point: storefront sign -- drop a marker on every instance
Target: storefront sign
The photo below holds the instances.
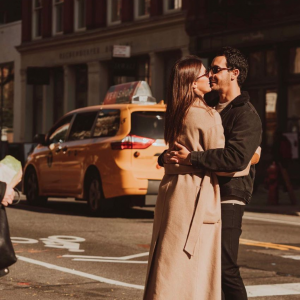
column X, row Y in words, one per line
column 79, row 53
column 254, row 36
column 121, row 51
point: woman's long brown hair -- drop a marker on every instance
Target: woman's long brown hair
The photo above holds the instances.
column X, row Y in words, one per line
column 180, row 95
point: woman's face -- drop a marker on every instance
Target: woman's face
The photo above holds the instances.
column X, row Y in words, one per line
column 201, row 85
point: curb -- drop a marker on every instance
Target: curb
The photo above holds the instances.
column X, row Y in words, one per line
column 274, row 209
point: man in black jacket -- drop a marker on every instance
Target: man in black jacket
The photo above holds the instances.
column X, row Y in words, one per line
column 242, row 130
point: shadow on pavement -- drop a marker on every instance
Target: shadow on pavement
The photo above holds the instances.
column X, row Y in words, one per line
column 259, row 202
column 79, row 208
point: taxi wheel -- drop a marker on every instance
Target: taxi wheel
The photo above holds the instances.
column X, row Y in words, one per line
column 32, row 189
column 96, row 200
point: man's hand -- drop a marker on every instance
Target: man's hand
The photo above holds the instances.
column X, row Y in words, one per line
column 8, row 196
column 181, row 155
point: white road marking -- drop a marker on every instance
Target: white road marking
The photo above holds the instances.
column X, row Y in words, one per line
column 64, row 242
column 108, row 257
column 273, row 290
column 79, row 273
column 20, row 240
column 112, row 260
column 252, row 290
column 296, row 257
column 271, row 220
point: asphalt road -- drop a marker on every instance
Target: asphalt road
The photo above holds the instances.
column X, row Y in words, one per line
column 64, row 253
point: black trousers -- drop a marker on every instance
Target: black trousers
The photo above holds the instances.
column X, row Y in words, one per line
column 232, row 284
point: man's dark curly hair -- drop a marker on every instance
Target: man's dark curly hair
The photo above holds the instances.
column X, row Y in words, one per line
column 236, row 60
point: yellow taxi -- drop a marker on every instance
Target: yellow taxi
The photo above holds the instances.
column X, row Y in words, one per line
column 101, row 152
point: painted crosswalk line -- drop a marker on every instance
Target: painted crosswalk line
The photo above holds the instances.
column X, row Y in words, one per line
column 295, row 257
column 79, row 273
column 252, row 290
column 120, row 259
column 273, row 290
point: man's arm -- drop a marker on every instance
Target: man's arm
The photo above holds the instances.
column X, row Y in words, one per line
column 242, row 142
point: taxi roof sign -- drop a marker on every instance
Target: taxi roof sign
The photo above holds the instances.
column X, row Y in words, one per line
column 136, row 92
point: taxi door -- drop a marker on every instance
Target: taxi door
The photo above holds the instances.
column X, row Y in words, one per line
column 75, row 154
column 50, row 160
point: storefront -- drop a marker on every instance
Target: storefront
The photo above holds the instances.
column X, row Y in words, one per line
column 10, row 80
column 273, row 52
column 79, row 67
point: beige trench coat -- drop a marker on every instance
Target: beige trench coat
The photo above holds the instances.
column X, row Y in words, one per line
column 185, row 253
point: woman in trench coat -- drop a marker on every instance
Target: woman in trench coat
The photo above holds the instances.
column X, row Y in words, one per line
column 185, row 253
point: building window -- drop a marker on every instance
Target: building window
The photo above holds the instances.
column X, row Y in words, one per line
column 141, row 9
column 80, row 15
column 295, row 60
column 7, row 103
column 271, row 64
column 37, row 19
column 256, row 65
column 294, row 108
column 172, row 5
column 114, row 12
column 58, row 6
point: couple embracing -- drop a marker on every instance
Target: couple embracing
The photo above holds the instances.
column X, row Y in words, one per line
column 209, row 174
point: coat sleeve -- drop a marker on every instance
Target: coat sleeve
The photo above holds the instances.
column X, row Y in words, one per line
column 240, row 146
column 160, row 159
column 2, row 190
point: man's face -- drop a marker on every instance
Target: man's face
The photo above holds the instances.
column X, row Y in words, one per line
column 220, row 81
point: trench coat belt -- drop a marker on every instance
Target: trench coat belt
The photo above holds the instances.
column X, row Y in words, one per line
column 209, row 191
column 176, row 169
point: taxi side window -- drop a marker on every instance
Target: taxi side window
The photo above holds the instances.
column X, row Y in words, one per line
column 82, row 126
column 59, row 133
column 107, row 123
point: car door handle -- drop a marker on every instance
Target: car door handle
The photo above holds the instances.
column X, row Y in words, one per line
column 64, row 149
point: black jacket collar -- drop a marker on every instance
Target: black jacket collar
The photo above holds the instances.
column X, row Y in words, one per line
column 241, row 99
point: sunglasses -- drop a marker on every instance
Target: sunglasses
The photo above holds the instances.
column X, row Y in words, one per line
column 217, row 69
column 205, row 74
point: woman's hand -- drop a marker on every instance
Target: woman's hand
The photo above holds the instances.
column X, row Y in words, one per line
column 8, row 196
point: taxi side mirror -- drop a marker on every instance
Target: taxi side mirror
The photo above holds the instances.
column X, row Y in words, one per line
column 40, row 138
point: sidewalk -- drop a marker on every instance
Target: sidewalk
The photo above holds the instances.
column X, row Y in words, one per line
column 259, row 202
